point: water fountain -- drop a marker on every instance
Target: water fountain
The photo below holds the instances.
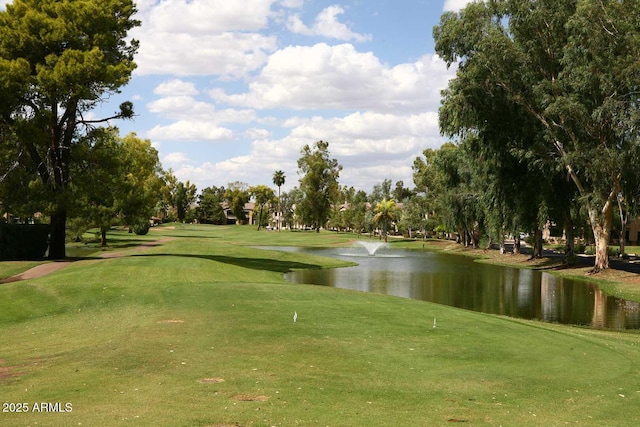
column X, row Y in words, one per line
column 371, row 247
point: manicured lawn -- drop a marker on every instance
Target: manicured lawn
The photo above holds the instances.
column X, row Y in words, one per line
column 199, row 331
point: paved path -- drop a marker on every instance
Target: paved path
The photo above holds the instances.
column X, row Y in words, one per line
column 37, row 271
column 50, row 267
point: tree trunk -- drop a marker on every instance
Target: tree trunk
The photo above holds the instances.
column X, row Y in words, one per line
column 516, row 244
column 57, row 238
column 569, row 245
column 103, row 236
column 623, row 226
column 260, row 218
column 537, row 244
column 601, row 235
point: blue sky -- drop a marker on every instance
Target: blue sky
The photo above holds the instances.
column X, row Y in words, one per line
column 232, row 90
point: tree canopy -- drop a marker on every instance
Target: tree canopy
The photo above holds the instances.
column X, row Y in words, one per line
column 319, row 183
column 58, row 61
column 559, row 80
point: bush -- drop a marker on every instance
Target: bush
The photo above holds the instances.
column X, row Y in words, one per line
column 141, row 228
column 590, row 250
column 579, row 248
column 23, row 241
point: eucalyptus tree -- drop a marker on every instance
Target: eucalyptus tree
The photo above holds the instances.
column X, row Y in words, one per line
column 572, row 67
column 318, row 183
column 58, row 61
column 460, row 206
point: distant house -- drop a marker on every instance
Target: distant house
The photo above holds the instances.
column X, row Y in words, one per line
column 632, row 234
column 232, row 219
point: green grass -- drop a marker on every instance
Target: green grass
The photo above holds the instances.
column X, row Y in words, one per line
column 128, row 340
column 12, row 268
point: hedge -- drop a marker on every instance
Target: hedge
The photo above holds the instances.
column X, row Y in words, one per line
column 23, row 241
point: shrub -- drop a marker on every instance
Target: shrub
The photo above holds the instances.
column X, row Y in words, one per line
column 141, row 228
column 579, row 248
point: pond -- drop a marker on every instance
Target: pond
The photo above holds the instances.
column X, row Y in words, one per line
column 458, row 281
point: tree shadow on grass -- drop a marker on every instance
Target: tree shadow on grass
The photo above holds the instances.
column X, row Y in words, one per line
column 254, row 263
column 169, row 233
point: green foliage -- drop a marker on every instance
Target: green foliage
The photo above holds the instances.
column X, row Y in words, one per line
column 141, row 228
column 58, row 61
column 386, row 212
column 262, row 195
column 554, row 83
column 209, row 210
column 122, row 180
column 237, row 195
column 23, row 241
column 319, row 183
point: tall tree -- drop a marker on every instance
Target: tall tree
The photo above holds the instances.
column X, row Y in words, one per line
column 118, row 183
column 59, row 60
column 237, row 195
column 262, row 195
column 572, row 66
column 278, row 180
column 289, row 201
column 319, row 183
column 209, row 210
column 184, row 196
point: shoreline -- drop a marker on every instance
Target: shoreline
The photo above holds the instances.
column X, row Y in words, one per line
column 621, row 279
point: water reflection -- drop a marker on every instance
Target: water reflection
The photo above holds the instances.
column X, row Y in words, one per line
column 460, row 282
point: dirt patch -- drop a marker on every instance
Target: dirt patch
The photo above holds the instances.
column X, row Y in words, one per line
column 171, row 227
column 170, row 321
column 211, row 380
column 250, row 398
column 9, row 371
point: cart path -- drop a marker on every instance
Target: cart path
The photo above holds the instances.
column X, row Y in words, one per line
column 50, row 267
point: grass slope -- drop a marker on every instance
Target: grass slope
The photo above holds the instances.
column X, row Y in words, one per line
column 198, row 331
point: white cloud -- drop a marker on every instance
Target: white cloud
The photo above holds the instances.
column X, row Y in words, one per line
column 292, row 4
column 370, row 147
column 185, row 54
column 339, row 77
column 206, row 16
column 175, row 159
column 190, row 131
column 456, row 5
column 203, row 37
column 255, row 133
column 187, row 108
column 175, row 87
column 326, row 25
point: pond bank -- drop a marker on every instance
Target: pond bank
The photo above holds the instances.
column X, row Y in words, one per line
column 622, row 280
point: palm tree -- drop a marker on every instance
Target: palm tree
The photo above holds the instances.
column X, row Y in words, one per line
column 278, row 179
column 385, row 214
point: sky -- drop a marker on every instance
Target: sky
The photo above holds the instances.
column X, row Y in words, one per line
column 232, row 90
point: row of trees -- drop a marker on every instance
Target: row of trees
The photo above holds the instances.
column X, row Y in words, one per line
column 544, row 108
column 546, row 96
